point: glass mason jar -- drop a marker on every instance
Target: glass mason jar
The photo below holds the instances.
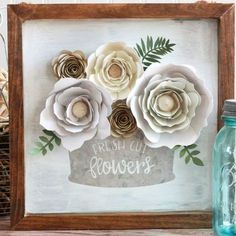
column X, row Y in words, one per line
column 224, row 174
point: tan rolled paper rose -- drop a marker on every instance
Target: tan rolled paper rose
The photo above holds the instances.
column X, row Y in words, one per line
column 4, row 113
column 171, row 105
column 116, row 67
column 70, row 65
column 123, row 123
column 77, row 111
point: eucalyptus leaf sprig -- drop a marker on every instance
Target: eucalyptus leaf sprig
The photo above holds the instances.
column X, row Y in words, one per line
column 189, row 153
column 46, row 143
column 151, row 51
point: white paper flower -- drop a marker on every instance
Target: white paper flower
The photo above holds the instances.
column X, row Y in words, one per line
column 170, row 104
column 115, row 67
column 77, row 111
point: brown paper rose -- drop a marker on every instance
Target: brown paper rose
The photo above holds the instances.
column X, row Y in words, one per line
column 69, row 65
column 123, row 123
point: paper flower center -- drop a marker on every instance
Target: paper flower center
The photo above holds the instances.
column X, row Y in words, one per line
column 166, row 103
column 80, row 109
column 115, row 71
column 74, row 69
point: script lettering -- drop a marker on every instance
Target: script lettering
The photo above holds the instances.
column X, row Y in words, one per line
column 100, row 167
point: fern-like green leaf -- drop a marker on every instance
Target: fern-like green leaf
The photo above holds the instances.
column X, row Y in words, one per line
column 155, row 56
column 147, row 64
column 149, row 43
column 151, row 50
column 139, row 49
column 152, row 59
column 57, row 141
column 143, row 46
column 46, row 143
column 197, row 161
column 189, row 153
column 187, row 159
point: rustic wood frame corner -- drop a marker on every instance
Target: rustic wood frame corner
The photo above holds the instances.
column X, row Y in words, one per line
column 17, row 14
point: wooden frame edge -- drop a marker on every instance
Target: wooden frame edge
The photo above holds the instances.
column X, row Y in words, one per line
column 226, row 64
column 16, row 119
column 115, row 221
column 27, row 11
column 17, row 14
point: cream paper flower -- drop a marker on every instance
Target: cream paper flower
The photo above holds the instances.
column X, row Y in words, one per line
column 69, row 64
column 170, row 104
column 116, row 67
column 77, row 111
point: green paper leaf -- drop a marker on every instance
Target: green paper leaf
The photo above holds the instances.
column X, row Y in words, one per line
column 44, row 151
column 152, row 51
column 143, row 46
column 150, row 59
column 35, row 151
column 44, row 139
column 157, row 42
column 187, row 159
column 139, row 50
column 154, row 56
column 195, row 152
column 39, row 144
column 149, row 42
column 189, row 153
column 48, row 132
column 182, row 152
column 197, row 161
column 50, row 146
column 192, row 146
column 46, row 143
column 57, row 141
column 176, row 147
column 163, row 42
column 147, row 63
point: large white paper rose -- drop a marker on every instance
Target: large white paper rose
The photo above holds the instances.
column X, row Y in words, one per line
column 77, row 111
column 170, row 104
column 115, row 67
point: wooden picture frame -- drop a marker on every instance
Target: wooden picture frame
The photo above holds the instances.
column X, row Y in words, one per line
column 17, row 14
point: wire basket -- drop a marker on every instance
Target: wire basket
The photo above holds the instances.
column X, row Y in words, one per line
column 4, row 138
column 4, row 174
column 4, row 146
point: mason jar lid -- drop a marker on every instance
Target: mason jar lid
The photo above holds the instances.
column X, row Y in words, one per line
column 229, row 108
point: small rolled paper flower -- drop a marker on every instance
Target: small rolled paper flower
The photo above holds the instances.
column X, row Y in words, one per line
column 69, row 65
column 123, row 123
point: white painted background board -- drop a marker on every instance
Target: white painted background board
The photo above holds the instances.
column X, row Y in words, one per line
column 47, row 185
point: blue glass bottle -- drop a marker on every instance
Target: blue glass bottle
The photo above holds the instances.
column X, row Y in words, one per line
column 224, row 174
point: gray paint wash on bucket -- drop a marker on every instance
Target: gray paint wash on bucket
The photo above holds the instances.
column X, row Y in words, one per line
column 117, row 162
